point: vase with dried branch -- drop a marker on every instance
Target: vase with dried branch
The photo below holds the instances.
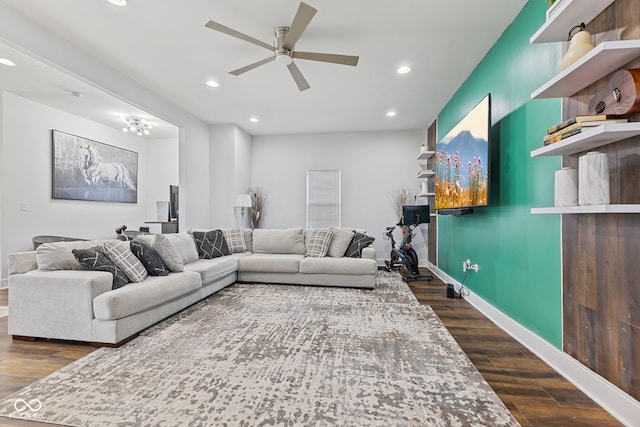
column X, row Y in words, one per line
column 258, row 200
column 401, row 197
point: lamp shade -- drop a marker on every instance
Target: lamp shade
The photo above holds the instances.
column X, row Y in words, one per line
column 243, row 201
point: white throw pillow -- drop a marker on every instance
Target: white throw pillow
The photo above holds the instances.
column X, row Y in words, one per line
column 185, row 245
column 340, row 242
column 278, row 241
column 168, row 253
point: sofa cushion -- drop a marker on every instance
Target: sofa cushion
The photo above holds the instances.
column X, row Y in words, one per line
column 185, row 245
column 270, row 263
column 58, row 255
column 148, row 257
column 359, row 242
column 120, row 253
column 94, row 259
column 213, row 269
column 235, row 239
column 319, row 243
column 211, row 244
column 340, row 241
column 344, row 265
column 278, row 241
column 168, row 253
column 138, row 297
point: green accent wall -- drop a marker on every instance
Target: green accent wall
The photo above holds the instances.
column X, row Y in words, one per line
column 518, row 253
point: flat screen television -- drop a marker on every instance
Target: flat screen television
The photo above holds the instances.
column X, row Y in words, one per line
column 415, row 214
column 462, row 163
column 174, row 202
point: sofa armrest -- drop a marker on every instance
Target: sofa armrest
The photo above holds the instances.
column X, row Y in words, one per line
column 369, row 252
column 55, row 304
column 21, row 262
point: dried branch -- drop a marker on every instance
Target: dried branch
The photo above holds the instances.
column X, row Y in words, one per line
column 258, row 201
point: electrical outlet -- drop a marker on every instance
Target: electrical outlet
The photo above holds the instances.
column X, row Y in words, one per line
column 24, row 206
column 474, row 267
column 466, row 265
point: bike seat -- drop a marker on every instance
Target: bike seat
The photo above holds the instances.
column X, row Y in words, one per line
column 390, row 228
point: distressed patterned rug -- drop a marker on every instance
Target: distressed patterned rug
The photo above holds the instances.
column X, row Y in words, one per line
column 276, row 355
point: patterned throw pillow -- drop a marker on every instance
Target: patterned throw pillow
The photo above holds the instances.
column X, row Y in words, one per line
column 319, row 243
column 168, row 253
column 120, row 253
column 235, row 239
column 149, row 258
column 359, row 242
column 95, row 259
column 211, row 244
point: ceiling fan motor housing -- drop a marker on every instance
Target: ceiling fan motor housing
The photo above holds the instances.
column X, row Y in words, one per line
column 283, row 56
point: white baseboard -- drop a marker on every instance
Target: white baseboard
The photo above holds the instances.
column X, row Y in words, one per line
column 618, row 403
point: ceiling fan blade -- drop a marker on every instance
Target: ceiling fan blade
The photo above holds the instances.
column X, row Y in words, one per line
column 233, row 33
column 328, row 57
column 252, row 66
column 298, row 77
column 303, row 16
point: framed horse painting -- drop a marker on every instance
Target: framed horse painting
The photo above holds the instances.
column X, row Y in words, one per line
column 89, row 170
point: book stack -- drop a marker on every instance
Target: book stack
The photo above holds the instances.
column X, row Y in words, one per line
column 576, row 125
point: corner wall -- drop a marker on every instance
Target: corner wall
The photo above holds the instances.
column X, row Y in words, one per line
column 518, row 253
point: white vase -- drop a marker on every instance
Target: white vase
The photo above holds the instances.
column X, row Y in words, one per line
column 566, row 187
column 593, row 179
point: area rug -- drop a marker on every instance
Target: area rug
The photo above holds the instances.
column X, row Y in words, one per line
column 282, row 355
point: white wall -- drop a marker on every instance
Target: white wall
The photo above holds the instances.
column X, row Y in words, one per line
column 162, row 171
column 230, row 164
column 373, row 164
column 26, row 177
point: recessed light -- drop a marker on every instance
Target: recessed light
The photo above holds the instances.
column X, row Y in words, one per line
column 7, row 62
column 391, row 113
column 213, row 83
column 403, row 70
column 254, row 120
column 118, row 2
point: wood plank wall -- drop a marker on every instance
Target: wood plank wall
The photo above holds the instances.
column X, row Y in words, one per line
column 432, row 239
column 601, row 252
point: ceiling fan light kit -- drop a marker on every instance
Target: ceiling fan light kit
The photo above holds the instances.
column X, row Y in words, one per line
column 283, row 47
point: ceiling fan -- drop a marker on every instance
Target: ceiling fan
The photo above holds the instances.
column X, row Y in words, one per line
column 283, row 47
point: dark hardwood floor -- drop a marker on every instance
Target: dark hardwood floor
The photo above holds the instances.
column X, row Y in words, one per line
column 534, row 393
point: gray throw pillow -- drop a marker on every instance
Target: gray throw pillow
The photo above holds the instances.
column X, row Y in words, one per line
column 149, row 258
column 168, row 253
column 120, row 253
column 319, row 243
column 95, row 259
column 359, row 242
column 340, row 242
column 235, row 239
column 211, row 244
column 184, row 244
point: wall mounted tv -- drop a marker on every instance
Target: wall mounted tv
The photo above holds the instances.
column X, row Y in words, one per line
column 462, row 163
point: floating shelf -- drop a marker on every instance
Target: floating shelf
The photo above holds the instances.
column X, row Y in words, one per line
column 425, row 174
column 425, row 194
column 597, row 63
column 568, row 14
column 424, row 155
column 589, row 139
column 617, row 209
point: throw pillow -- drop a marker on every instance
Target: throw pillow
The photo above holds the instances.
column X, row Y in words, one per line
column 149, row 258
column 340, row 242
column 95, row 259
column 359, row 242
column 120, row 253
column 168, row 253
column 319, row 243
column 184, row 244
column 211, row 244
column 235, row 239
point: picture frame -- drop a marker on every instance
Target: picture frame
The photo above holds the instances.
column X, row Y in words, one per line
column 88, row 170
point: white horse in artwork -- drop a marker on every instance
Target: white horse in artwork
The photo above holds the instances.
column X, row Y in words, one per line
column 95, row 170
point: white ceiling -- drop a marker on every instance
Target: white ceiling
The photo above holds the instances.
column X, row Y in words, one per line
column 164, row 45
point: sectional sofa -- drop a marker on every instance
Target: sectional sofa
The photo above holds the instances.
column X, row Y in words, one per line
column 51, row 296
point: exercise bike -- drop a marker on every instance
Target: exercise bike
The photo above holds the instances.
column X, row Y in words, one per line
column 404, row 254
